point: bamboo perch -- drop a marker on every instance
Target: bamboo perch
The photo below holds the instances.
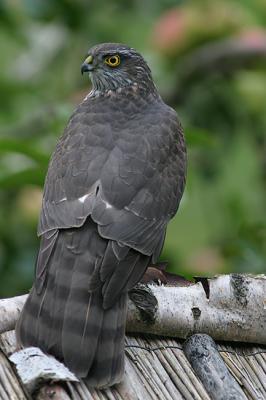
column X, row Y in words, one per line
column 226, row 307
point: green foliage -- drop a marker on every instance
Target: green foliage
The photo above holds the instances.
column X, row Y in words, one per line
column 221, row 224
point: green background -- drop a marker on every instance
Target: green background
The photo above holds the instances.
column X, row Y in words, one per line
column 208, row 59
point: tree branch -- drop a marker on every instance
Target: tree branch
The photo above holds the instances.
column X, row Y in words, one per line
column 226, row 307
column 10, row 310
column 201, row 351
column 224, row 56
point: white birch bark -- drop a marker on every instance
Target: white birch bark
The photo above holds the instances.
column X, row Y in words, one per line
column 35, row 367
column 10, row 310
column 234, row 311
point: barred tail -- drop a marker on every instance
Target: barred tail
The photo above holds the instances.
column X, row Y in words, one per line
column 77, row 317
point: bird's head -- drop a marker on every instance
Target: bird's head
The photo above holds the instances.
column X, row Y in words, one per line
column 112, row 66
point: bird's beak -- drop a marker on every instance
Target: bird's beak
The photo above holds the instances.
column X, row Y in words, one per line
column 87, row 66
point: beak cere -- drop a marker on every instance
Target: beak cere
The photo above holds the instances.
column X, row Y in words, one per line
column 87, row 65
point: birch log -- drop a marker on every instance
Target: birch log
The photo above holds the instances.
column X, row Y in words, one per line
column 34, row 367
column 226, row 307
column 10, row 310
column 202, row 353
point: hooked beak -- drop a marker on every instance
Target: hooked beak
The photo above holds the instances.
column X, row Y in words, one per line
column 87, row 65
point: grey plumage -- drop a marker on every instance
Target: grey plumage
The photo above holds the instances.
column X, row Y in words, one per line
column 114, row 181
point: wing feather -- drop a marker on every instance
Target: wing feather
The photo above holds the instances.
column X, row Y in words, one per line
column 125, row 171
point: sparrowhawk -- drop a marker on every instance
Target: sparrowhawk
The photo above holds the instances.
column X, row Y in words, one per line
column 115, row 180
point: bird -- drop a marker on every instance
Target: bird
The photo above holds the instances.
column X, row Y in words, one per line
column 114, row 182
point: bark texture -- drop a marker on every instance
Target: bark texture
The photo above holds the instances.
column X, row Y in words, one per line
column 202, row 353
column 226, row 307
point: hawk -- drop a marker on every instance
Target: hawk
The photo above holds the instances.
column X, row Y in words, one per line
column 114, row 181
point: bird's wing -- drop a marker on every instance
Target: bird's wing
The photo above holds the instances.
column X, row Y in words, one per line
column 125, row 168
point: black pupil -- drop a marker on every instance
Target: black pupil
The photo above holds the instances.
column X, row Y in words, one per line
column 113, row 60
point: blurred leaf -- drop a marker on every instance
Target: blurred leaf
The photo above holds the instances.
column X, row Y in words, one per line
column 201, row 54
column 17, row 146
column 200, row 137
column 33, row 176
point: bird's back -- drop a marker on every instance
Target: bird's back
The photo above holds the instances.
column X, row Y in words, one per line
column 114, row 181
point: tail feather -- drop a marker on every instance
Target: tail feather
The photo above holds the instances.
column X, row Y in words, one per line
column 118, row 364
column 80, row 335
column 28, row 317
column 117, row 282
column 108, row 366
column 61, row 292
column 49, row 317
column 79, row 317
column 127, row 273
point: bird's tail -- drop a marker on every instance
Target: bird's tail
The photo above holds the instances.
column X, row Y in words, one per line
column 71, row 322
column 108, row 364
column 94, row 351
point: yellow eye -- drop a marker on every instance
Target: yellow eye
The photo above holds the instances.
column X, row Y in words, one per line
column 112, row 61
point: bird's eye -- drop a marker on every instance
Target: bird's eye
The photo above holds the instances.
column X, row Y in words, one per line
column 112, row 61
